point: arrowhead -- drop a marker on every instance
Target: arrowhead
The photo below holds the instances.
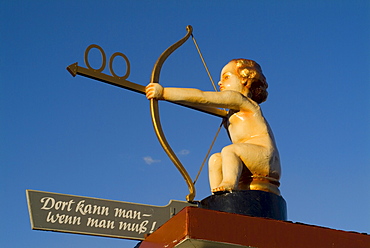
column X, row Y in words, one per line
column 73, row 69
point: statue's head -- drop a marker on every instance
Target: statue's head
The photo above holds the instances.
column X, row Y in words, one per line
column 251, row 74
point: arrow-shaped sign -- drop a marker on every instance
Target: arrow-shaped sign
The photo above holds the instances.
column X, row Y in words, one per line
column 99, row 217
column 122, row 82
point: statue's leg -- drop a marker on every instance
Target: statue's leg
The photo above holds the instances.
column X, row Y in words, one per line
column 231, row 169
column 215, row 170
column 234, row 157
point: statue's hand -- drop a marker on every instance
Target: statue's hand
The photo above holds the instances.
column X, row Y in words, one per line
column 154, row 91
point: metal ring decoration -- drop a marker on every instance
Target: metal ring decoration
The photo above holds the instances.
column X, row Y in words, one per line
column 154, row 110
column 104, row 58
column 127, row 65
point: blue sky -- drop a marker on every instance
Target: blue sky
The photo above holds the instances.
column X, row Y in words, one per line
column 82, row 137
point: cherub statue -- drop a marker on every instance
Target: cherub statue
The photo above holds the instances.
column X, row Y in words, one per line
column 252, row 161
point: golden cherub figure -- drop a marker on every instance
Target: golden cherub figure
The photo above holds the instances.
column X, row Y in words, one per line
column 252, row 161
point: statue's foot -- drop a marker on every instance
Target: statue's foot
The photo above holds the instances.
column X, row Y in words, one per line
column 222, row 189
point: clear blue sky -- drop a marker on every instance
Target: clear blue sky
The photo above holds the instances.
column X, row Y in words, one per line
column 79, row 136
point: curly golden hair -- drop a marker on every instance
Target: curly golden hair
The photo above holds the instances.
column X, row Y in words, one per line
column 251, row 71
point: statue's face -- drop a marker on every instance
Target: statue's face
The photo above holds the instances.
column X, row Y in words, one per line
column 229, row 79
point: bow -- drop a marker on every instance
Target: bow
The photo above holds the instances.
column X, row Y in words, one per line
column 154, row 111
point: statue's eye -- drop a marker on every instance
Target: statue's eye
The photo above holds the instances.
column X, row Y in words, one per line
column 226, row 77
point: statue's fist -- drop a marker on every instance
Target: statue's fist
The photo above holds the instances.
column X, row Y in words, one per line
column 154, row 91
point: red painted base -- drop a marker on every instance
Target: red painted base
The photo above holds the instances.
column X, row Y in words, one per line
column 196, row 227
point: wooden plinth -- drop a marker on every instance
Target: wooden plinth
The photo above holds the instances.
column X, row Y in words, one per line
column 203, row 228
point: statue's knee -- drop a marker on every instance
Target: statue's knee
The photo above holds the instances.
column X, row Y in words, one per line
column 214, row 161
column 215, row 157
column 228, row 149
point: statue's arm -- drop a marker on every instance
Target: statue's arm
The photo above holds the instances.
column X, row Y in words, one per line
column 225, row 99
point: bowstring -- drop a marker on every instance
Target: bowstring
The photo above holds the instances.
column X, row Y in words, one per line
column 204, row 62
column 208, row 152
column 219, row 128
